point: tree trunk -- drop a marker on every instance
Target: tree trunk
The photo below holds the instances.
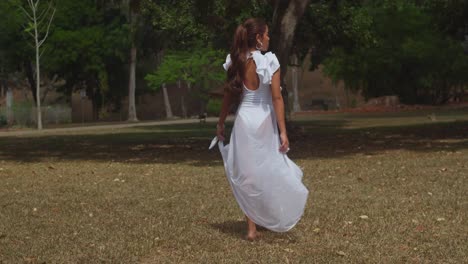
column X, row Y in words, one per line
column 32, row 82
column 167, row 103
column 287, row 16
column 38, row 76
column 132, row 116
column 182, row 101
column 3, row 84
column 96, row 101
column 295, row 76
column 9, row 105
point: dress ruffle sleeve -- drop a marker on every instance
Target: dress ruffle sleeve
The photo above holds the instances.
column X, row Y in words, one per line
column 267, row 65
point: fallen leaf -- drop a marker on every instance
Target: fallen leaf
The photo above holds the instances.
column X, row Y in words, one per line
column 316, row 230
column 30, row 259
column 420, row 228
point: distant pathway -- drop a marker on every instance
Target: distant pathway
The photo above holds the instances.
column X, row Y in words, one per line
column 28, row 132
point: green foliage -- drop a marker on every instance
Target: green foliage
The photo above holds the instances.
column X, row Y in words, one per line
column 175, row 23
column 200, row 68
column 330, row 24
column 409, row 58
column 90, row 47
column 410, row 48
column 13, row 40
column 213, row 106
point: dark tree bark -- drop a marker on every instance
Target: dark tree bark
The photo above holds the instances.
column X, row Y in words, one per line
column 28, row 67
column 286, row 17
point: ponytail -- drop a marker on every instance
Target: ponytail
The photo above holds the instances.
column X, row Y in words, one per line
column 238, row 53
column 244, row 39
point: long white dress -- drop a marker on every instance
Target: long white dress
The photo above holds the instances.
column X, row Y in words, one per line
column 266, row 183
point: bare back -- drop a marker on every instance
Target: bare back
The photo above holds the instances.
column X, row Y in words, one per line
column 251, row 80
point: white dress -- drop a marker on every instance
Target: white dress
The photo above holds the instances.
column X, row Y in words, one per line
column 266, row 183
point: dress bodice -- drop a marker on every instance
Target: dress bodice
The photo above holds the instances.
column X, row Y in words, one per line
column 266, row 66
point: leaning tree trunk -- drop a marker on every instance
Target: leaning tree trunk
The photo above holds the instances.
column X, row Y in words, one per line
column 182, row 100
column 132, row 117
column 285, row 19
column 167, row 103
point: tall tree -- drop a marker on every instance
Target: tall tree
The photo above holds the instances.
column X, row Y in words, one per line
column 133, row 16
column 39, row 19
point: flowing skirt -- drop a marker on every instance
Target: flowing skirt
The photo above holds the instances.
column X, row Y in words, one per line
column 266, row 183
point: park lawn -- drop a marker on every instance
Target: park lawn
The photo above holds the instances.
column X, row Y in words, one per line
column 384, row 188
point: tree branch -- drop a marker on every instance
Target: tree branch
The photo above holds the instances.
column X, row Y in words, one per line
column 42, row 52
column 26, row 13
column 37, row 4
column 43, row 15
column 31, row 5
column 48, row 27
column 46, row 10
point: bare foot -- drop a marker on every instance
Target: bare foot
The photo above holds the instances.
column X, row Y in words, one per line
column 252, row 236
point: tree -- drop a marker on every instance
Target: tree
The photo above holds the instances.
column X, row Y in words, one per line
column 170, row 71
column 199, row 68
column 90, row 51
column 39, row 20
column 132, row 12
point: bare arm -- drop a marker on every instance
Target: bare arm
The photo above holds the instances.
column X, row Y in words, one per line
column 278, row 105
column 222, row 116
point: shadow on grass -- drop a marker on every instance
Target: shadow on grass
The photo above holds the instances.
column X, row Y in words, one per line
column 238, row 229
column 189, row 143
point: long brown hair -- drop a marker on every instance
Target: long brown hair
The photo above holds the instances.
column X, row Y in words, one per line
column 245, row 38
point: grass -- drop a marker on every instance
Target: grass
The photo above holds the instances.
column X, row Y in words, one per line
column 157, row 195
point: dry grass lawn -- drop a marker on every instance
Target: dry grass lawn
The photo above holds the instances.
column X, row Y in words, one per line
column 387, row 188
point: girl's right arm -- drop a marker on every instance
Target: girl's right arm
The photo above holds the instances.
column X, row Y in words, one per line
column 278, row 105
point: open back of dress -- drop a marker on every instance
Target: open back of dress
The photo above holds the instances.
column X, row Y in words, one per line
column 266, row 183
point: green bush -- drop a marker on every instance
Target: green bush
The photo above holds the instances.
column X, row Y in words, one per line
column 213, row 107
